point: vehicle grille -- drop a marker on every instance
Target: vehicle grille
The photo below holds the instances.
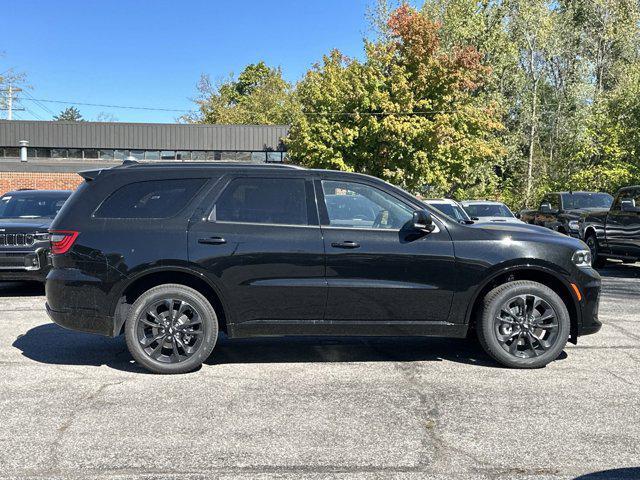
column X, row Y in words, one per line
column 17, row 239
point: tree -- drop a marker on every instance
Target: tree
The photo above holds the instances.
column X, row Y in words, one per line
column 412, row 112
column 70, row 114
column 258, row 96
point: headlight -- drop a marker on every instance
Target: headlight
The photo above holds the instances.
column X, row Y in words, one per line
column 574, row 225
column 582, row 258
column 42, row 237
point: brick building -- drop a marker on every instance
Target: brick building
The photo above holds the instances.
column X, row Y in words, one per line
column 48, row 154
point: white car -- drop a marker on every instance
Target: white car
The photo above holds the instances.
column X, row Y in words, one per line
column 488, row 211
column 450, row 208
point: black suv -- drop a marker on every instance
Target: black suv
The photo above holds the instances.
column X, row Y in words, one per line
column 25, row 216
column 172, row 254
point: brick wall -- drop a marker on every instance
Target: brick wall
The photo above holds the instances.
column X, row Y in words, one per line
column 40, row 181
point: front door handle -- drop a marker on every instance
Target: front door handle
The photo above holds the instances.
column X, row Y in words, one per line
column 346, row 244
column 212, row 241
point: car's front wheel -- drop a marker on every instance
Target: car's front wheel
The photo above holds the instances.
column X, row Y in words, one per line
column 523, row 324
column 596, row 260
column 171, row 329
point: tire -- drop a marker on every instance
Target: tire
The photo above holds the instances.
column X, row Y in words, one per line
column 171, row 329
column 596, row 260
column 533, row 347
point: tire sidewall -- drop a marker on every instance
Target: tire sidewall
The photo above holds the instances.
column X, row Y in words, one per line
column 491, row 311
column 177, row 292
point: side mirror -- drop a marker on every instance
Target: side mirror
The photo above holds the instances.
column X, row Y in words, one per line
column 422, row 221
column 546, row 208
column 517, row 215
column 629, row 205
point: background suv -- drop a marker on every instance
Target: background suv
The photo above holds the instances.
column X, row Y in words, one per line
column 172, row 254
column 25, row 216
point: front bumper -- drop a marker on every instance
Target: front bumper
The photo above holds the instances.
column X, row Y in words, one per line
column 24, row 265
column 589, row 284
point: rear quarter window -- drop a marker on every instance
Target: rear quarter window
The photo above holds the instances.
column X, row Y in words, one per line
column 150, row 199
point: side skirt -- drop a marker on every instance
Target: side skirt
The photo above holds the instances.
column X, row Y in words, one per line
column 261, row 328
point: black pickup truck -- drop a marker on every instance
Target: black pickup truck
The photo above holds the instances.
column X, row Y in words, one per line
column 614, row 233
column 25, row 216
column 561, row 211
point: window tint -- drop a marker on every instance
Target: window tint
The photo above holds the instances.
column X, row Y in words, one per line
column 264, row 200
column 37, row 206
column 355, row 205
column 488, row 210
column 627, row 195
column 152, row 199
column 452, row 211
column 586, row 200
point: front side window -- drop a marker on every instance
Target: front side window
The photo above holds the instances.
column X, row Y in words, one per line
column 150, row 199
column 264, row 200
column 355, row 205
column 627, row 196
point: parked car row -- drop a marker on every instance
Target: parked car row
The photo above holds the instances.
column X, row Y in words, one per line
column 474, row 211
column 609, row 226
column 25, row 216
column 170, row 255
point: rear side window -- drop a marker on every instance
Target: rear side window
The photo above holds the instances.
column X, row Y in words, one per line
column 151, row 199
column 264, row 200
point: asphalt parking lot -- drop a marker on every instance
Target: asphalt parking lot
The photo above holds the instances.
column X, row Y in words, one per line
column 76, row 406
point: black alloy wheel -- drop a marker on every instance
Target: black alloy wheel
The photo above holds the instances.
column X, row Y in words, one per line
column 523, row 324
column 526, row 326
column 171, row 329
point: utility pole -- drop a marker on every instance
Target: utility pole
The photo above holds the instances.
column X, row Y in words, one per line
column 10, row 108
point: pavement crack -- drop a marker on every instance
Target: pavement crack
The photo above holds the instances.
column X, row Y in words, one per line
column 86, row 403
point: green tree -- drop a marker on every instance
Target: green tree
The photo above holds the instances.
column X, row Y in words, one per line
column 70, row 114
column 258, row 96
column 412, row 112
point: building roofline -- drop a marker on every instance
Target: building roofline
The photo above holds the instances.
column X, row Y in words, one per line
column 145, row 124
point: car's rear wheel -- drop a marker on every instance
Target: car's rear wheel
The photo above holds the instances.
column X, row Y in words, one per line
column 523, row 324
column 592, row 243
column 171, row 329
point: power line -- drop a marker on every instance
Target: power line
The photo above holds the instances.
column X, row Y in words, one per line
column 129, row 107
column 381, row 114
column 161, row 109
column 41, row 105
column 34, row 114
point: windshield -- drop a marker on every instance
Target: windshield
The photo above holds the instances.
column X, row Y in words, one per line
column 453, row 211
column 35, row 206
column 480, row 210
column 572, row 201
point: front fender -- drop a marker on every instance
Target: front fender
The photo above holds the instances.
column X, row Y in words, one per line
column 521, row 266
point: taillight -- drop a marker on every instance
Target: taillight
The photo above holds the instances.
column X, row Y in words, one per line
column 62, row 240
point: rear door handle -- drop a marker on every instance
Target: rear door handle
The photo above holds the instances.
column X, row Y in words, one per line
column 212, row 241
column 346, row 244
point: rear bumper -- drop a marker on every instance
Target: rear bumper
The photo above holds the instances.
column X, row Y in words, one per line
column 75, row 301
column 82, row 321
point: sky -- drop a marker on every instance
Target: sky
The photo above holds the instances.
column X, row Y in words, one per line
column 151, row 53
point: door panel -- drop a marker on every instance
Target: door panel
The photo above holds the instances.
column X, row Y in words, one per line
column 268, row 271
column 378, row 269
column 623, row 228
column 392, row 275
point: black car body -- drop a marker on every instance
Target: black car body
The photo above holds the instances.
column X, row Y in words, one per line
column 25, row 216
column 273, row 257
column 561, row 211
column 614, row 233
